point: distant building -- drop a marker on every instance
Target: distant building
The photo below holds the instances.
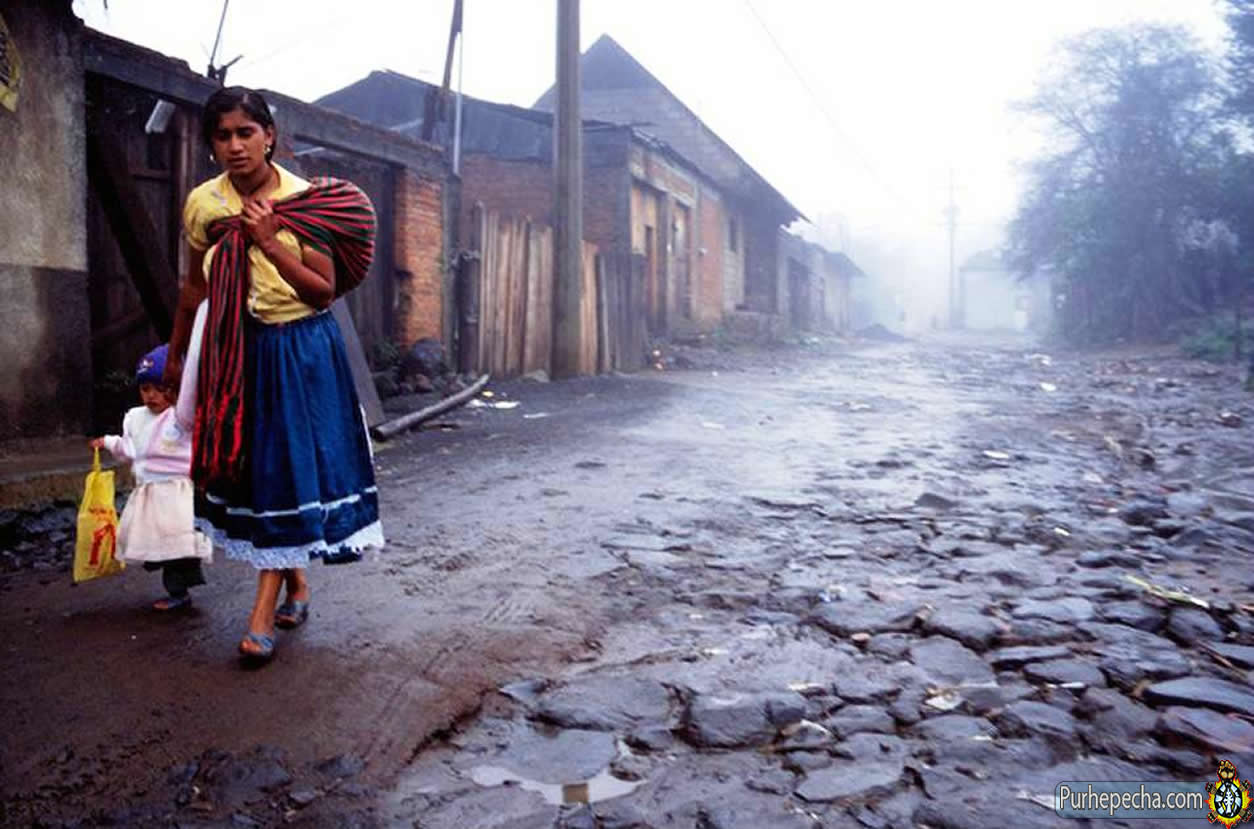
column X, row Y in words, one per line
column 659, row 185
column 994, row 298
column 742, row 213
column 820, row 285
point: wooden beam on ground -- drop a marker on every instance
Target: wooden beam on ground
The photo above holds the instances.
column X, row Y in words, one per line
column 132, row 227
column 413, row 419
column 363, row 380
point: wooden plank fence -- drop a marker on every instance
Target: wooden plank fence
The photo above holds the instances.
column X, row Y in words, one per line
column 513, row 277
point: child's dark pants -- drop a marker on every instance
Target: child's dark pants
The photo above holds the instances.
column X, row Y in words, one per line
column 178, row 575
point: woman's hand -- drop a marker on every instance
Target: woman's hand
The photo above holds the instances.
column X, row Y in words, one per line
column 96, row 443
column 260, row 223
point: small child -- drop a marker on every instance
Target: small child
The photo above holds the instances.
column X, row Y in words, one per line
column 156, row 528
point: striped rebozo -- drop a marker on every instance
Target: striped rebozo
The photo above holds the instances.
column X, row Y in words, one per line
column 332, row 216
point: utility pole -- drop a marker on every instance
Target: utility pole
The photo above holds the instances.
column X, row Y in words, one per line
column 951, row 216
column 568, row 197
column 218, row 73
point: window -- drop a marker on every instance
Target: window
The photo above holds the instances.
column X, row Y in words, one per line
column 733, row 234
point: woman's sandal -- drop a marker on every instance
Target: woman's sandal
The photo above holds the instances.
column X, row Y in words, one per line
column 291, row 614
column 172, row 603
column 264, row 643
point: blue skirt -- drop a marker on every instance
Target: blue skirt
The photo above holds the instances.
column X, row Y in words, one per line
column 310, row 489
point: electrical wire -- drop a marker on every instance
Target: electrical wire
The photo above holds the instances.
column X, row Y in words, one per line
column 863, row 159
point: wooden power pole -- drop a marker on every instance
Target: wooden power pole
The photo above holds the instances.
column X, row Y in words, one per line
column 568, row 197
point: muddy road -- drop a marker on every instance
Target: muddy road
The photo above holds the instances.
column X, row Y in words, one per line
column 908, row 584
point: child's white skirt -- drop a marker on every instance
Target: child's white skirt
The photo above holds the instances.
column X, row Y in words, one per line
column 158, row 524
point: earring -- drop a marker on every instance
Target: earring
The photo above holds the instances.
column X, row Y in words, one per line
column 269, row 147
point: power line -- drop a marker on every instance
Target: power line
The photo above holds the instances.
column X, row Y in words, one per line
column 863, row 159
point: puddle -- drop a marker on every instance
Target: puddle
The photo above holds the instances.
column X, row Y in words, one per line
column 602, row 787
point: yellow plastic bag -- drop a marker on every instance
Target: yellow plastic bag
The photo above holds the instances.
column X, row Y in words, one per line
column 95, row 549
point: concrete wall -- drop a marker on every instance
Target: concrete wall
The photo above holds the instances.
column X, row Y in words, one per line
column 46, row 376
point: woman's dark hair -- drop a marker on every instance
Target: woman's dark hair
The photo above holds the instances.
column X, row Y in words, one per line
column 229, row 99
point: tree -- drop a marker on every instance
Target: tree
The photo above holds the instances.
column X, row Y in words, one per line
column 1135, row 157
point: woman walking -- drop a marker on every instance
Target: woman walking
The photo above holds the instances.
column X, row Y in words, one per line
column 281, row 462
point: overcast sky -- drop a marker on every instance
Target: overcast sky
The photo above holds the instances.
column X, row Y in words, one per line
column 851, row 108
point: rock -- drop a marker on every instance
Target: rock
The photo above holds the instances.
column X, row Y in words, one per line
column 728, row 721
column 983, row 700
column 872, row 767
column 616, row 814
column 783, row 708
column 1027, row 718
column 932, row 501
column 1063, row 611
column 752, row 816
column 1175, row 760
column 573, row 816
column 1187, row 504
column 973, row 629
column 1215, row 731
column 1230, row 419
column 1203, row 692
column 907, row 708
column 1169, row 527
column 1114, row 720
column 1020, row 655
column 1141, row 513
column 771, row 781
column 859, row 686
column 537, row 376
column 800, row 762
column 954, row 727
column 847, row 618
column 1127, row 673
column 890, row 646
column 1037, row 632
column 1135, row 614
column 946, row 662
column 421, row 384
column 234, row 781
column 1190, row 625
column 1108, row 586
column 1064, row 671
column 631, row 767
column 524, row 691
column 606, row 703
column 303, row 797
column 987, row 807
column 342, row 766
column 1109, row 558
column 1239, row 655
column 860, row 719
column 651, row 738
column 385, row 384
column 424, row 357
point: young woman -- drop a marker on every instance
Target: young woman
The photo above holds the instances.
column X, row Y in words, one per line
column 282, row 461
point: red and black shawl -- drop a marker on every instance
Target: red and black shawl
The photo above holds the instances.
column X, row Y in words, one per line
column 333, row 216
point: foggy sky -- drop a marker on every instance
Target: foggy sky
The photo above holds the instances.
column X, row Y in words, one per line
column 891, row 95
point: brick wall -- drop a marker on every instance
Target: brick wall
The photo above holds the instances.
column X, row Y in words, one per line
column 512, row 188
column 419, row 255
column 525, row 189
column 711, row 244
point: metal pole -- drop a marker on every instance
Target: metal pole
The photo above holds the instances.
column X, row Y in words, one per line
column 951, row 212
column 217, row 39
column 457, row 113
column 568, row 197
